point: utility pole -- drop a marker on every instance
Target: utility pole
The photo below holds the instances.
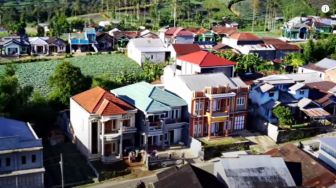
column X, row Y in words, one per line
column 61, row 165
column 174, row 12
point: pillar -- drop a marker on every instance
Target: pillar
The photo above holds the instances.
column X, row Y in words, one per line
column 121, row 140
column 103, row 139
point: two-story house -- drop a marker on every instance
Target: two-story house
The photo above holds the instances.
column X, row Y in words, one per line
column 327, row 151
column 103, row 125
column 147, row 49
column 161, row 118
column 203, row 62
column 217, row 105
column 326, row 68
column 296, row 29
column 21, row 155
column 83, row 41
column 286, row 89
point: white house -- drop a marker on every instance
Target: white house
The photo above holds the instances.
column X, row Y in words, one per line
column 177, row 50
column 203, row 62
column 147, row 49
column 327, row 151
column 14, row 46
column 103, row 125
column 21, row 155
column 39, row 45
column 326, row 68
column 176, row 35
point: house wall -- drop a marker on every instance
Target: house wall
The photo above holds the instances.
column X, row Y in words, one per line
column 228, row 71
column 184, row 40
column 16, row 161
column 81, row 126
column 34, row 180
column 304, row 70
column 297, row 95
column 153, row 57
column 187, row 68
column 330, row 75
column 13, row 46
column 260, row 98
column 280, row 54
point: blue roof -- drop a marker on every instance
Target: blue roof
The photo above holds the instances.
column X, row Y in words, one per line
column 17, row 134
column 331, row 142
column 149, row 98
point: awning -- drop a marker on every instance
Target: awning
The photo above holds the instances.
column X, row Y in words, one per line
column 316, row 112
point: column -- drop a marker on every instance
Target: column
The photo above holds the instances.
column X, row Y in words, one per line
column 121, row 140
column 209, row 118
column 103, row 139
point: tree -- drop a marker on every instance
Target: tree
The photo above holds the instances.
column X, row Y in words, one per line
column 13, row 98
column 284, row 115
column 248, row 63
column 59, row 25
column 77, row 24
column 255, row 7
column 66, row 81
column 308, row 50
column 40, row 31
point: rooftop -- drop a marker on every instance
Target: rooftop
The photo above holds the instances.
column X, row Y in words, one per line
column 290, row 78
column 279, row 44
column 323, row 86
column 206, row 59
column 244, row 36
column 198, row 82
column 183, row 49
column 331, row 142
column 256, row 171
column 148, row 98
column 306, row 170
column 222, row 30
column 148, row 44
column 98, row 101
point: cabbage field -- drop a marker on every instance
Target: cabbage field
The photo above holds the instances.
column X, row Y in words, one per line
column 37, row 74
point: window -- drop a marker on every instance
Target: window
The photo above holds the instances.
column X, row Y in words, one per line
column 126, row 123
column 241, row 101
column 175, row 114
column 239, row 123
column 23, row 160
column 8, row 161
column 271, row 94
column 302, row 92
column 161, row 137
column 33, row 158
column 0, row 162
column 114, row 147
column 198, row 106
column 197, row 130
column 219, row 105
column 214, row 128
column 178, row 67
column 152, row 57
column 114, row 124
column 214, row 105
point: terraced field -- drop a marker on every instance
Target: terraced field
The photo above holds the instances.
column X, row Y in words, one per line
column 37, row 74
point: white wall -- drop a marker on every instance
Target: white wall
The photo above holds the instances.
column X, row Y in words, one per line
column 304, row 70
column 187, row 68
column 184, row 40
column 81, row 126
column 154, row 57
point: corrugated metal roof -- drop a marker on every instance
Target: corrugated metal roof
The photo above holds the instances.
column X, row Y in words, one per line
column 331, row 142
column 326, row 63
column 148, row 98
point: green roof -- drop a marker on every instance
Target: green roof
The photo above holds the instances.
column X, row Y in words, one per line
column 148, row 98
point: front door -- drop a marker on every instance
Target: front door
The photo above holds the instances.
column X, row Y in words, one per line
column 107, row 149
column 171, row 137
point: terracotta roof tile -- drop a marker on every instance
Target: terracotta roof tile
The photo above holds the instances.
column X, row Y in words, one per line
column 279, row 44
column 221, row 30
column 245, row 37
column 99, row 101
column 206, row 59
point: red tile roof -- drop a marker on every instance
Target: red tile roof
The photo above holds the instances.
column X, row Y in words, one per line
column 206, row 59
column 98, row 101
column 183, row 49
column 280, row 45
column 323, row 86
column 244, row 37
column 197, row 31
column 177, row 31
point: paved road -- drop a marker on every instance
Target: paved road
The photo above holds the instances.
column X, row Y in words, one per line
column 126, row 183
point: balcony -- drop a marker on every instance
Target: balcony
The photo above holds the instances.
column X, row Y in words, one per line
column 129, row 129
column 153, row 127
column 169, row 124
column 218, row 116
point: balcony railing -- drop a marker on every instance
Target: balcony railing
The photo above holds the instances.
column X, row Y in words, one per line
column 153, row 126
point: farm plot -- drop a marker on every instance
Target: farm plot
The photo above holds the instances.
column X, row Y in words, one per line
column 37, row 74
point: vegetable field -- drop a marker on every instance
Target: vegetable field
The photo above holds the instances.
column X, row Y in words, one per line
column 37, row 74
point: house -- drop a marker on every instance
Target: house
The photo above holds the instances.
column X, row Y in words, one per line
column 203, row 36
column 56, row 45
column 148, row 34
column 83, row 41
column 162, row 119
column 217, row 105
column 282, row 48
column 103, row 125
column 253, row 171
column 39, row 45
column 123, row 37
column 177, row 50
column 296, row 30
column 186, row 176
column 147, row 49
column 105, row 42
column 323, row 94
column 176, row 35
column 326, row 68
column 306, row 171
column 14, row 46
column 248, row 43
column 220, row 47
column 285, row 89
column 327, row 151
column 21, row 155
column 203, row 62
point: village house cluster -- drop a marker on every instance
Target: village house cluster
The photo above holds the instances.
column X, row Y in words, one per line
column 200, row 96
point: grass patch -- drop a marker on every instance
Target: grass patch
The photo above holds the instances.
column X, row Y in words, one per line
column 76, row 169
column 223, row 141
column 108, row 171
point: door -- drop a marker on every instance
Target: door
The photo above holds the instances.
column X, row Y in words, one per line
column 94, row 137
column 107, row 150
column 171, row 137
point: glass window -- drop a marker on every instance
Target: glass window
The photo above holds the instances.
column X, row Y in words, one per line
column 271, row 94
column 240, row 101
column 23, row 160
column 8, row 161
column 33, row 158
